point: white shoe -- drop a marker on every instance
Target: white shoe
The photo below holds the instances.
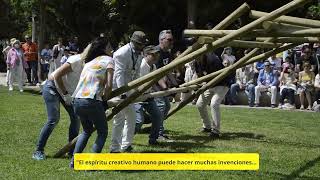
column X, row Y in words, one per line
column 10, row 88
column 280, row 106
column 21, row 90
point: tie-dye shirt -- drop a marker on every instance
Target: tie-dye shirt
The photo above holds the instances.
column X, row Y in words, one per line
column 93, row 77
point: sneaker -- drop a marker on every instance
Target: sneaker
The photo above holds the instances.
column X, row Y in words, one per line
column 38, row 84
column 280, row 106
column 21, row 90
column 309, row 108
column 256, row 105
column 39, row 155
column 205, row 130
column 154, row 143
column 129, row 149
column 301, row 107
column 71, row 165
column 273, row 106
column 290, row 106
column 10, row 88
column 164, row 138
column 214, row 134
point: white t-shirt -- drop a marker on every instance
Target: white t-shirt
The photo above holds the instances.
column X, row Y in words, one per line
column 276, row 62
column 71, row 79
column 230, row 58
column 146, row 69
column 317, row 80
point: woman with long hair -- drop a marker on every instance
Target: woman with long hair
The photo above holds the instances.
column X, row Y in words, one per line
column 94, row 87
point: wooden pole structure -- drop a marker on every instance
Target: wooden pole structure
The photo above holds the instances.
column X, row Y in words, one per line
column 242, row 44
column 295, row 40
column 115, row 102
column 265, row 55
column 222, row 25
column 288, row 19
column 218, row 43
column 275, row 26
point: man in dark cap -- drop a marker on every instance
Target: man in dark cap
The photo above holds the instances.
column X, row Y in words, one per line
column 127, row 68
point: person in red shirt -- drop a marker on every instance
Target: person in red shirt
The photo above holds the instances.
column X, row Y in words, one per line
column 30, row 50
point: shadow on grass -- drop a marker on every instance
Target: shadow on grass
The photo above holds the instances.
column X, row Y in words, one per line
column 308, row 165
column 288, row 143
column 237, row 135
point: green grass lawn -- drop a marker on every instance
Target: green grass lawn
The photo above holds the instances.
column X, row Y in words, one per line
column 288, row 143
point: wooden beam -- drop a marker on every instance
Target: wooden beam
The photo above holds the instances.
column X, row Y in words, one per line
column 242, row 44
column 293, row 39
column 275, row 26
column 288, row 19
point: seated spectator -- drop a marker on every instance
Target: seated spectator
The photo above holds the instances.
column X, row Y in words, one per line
column 227, row 55
column 244, row 81
column 276, row 62
column 267, row 82
column 306, row 56
column 287, row 87
column 306, row 82
column 317, row 88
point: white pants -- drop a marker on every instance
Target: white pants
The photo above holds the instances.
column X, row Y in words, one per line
column 7, row 77
column 189, row 76
column 123, row 129
column 16, row 74
column 216, row 95
column 258, row 89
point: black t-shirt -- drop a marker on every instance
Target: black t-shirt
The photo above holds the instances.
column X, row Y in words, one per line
column 212, row 63
column 165, row 58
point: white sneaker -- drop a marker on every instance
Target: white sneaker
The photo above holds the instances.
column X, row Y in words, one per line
column 280, row 106
column 21, row 90
column 10, row 88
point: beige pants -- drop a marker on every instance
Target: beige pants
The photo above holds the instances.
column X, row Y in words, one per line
column 272, row 90
column 215, row 95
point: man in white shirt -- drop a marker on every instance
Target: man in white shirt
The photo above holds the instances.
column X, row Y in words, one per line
column 152, row 55
column 127, row 68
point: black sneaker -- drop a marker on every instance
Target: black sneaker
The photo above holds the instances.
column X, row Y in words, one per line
column 129, row 149
column 205, row 130
column 214, row 134
column 154, row 143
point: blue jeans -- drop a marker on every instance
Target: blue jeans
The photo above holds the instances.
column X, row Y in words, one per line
column 164, row 106
column 155, row 115
column 52, row 100
column 92, row 115
column 235, row 88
